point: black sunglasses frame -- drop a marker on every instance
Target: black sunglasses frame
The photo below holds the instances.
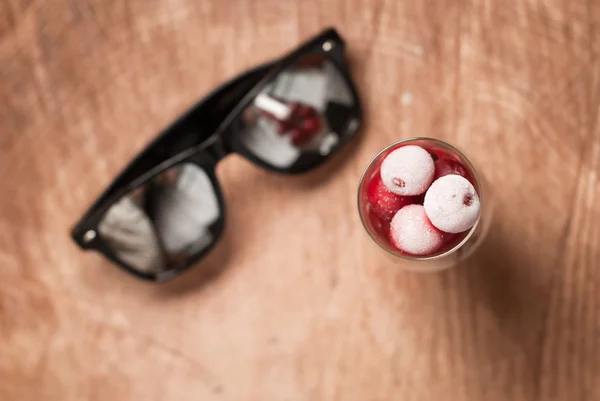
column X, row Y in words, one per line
column 203, row 136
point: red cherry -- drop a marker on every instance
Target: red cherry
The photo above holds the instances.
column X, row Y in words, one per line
column 379, row 225
column 306, row 112
column 383, row 202
column 298, row 136
column 282, row 128
column 412, row 232
column 311, row 126
column 446, row 167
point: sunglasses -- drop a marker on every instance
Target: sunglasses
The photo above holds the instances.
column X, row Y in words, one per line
column 165, row 210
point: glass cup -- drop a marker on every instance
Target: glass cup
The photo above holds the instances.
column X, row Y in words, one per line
column 378, row 228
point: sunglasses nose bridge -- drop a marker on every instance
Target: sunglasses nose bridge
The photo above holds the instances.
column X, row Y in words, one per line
column 219, row 148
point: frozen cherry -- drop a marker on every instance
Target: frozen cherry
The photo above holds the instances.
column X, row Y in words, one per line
column 311, row 125
column 298, row 136
column 302, row 124
column 379, row 225
column 412, row 232
column 383, row 202
column 305, row 111
column 445, row 167
column 452, row 204
column 408, row 170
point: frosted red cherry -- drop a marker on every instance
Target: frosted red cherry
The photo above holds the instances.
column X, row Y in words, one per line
column 382, row 201
column 452, row 204
column 412, row 232
column 408, row 170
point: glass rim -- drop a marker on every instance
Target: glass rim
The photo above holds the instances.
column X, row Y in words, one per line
column 421, row 258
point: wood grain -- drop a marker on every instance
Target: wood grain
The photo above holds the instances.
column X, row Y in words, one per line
column 298, row 304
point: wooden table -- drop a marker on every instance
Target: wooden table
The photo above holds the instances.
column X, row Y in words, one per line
column 295, row 303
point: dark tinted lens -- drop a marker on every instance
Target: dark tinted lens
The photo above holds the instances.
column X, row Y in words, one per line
column 307, row 108
column 161, row 224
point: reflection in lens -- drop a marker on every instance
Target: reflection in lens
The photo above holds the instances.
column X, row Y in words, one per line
column 306, row 108
column 161, row 224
